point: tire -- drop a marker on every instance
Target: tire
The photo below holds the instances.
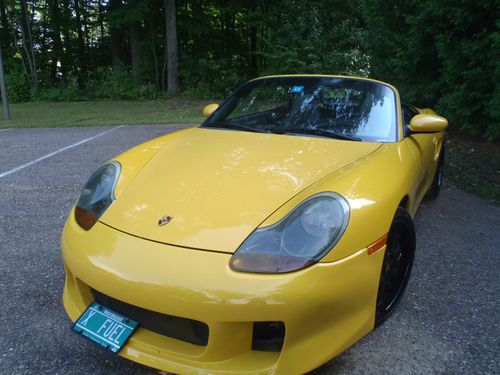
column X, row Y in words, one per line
column 396, row 266
column 437, row 182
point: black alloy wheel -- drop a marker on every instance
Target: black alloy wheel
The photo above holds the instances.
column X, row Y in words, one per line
column 437, row 182
column 397, row 265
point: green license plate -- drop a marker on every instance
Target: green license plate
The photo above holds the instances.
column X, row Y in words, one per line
column 105, row 327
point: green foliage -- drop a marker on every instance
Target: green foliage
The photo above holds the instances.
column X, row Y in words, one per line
column 132, row 10
column 112, row 84
column 316, row 37
column 61, row 93
column 17, row 86
column 441, row 54
column 230, row 42
column 147, row 91
column 208, row 79
column 108, row 84
column 119, row 84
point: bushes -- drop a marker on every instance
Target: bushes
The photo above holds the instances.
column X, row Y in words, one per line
column 111, row 84
column 60, row 93
column 116, row 84
column 17, row 86
column 106, row 84
column 211, row 79
column 119, row 84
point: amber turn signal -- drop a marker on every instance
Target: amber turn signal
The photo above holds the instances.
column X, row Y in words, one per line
column 377, row 245
column 84, row 218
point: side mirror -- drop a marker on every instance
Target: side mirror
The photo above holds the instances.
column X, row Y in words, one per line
column 209, row 109
column 427, row 123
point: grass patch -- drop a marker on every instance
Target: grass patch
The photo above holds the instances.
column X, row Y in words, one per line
column 55, row 114
column 474, row 166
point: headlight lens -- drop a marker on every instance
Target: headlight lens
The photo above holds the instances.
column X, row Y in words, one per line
column 97, row 195
column 298, row 240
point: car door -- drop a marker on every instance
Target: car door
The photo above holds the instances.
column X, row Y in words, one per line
column 425, row 149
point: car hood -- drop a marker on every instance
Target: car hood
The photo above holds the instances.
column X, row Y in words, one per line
column 219, row 185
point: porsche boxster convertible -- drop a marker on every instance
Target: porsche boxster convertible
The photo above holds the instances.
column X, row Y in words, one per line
column 266, row 240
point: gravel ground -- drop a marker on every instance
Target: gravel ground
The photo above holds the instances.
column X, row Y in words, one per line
column 447, row 322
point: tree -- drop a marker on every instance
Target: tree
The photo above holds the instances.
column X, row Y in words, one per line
column 4, row 32
column 115, row 26
column 57, row 48
column 171, row 48
column 3, row 90
column 133, row 17
column 22, row 39
column 440, row 54
column 81, row 57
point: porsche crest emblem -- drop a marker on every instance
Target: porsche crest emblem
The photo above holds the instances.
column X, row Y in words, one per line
column 165, row 220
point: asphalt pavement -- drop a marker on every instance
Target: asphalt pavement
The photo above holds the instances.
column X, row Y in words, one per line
column 447, row 322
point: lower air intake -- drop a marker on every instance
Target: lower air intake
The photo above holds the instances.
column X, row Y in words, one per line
column 188, row 330
column 268, row 336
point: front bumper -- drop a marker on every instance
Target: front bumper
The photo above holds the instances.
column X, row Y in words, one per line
column 325, row 308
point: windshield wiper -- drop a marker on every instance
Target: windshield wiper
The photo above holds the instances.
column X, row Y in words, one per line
column 318, row 132
column 232, row 125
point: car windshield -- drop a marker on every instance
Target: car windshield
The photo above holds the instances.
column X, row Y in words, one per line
column 345, row 108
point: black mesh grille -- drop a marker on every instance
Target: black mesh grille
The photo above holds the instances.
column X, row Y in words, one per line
column 183, row 329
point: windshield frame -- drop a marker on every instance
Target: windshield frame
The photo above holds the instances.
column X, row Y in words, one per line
column 395, row 135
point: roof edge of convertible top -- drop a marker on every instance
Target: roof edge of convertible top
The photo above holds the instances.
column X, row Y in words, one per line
column 324, row 75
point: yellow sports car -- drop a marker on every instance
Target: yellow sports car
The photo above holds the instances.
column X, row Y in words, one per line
column 267, row 240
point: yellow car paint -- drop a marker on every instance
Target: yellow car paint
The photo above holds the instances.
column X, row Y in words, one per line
column 218, row 195
column 428, row 123
column 219, row 185
column 133, row 160
column 209, row 109
column 228, row 301
column 374, row 201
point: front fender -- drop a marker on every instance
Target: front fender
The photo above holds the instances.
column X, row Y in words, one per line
column 373, row 186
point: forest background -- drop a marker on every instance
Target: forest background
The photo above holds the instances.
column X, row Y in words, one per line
column 443, row 54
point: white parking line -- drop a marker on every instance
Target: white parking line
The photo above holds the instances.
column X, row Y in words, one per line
column 28, row 164
column 4, row 130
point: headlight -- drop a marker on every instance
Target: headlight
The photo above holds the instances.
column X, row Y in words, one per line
column 97, row 195
column 298, row 240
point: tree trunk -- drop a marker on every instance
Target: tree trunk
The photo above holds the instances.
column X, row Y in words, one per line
column 4, row 36
column 57, row 55
column 43, row 36
column 27, row 42
column 3, row 89
column 253, row 42
column 68, row 53
column 197, row 48
column 82, row 63
column 116, row 35
column 88, row 54
column 155, row 55
column 171, row 48
column 134, row 31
